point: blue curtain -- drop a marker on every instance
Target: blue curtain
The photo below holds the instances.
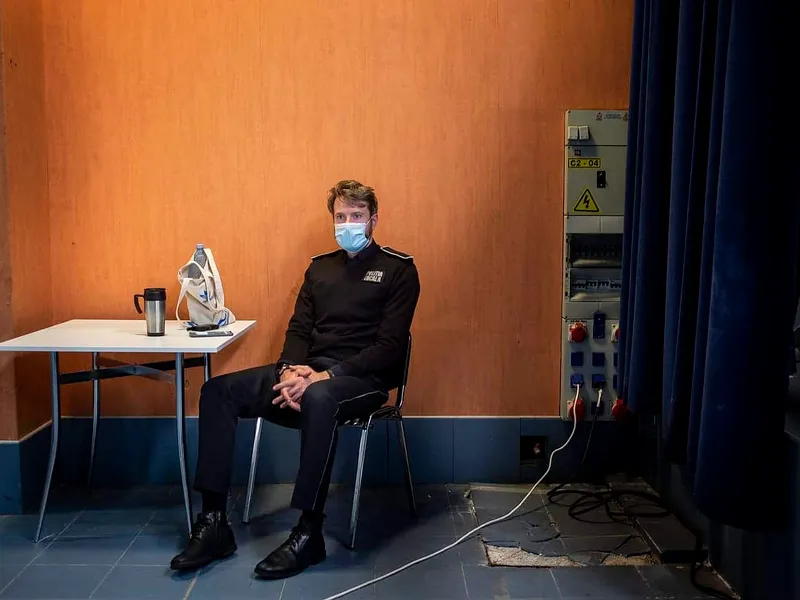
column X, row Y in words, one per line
column 711, row 246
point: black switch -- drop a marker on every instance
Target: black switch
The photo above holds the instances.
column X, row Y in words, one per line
column 599, row 329
column 601, row 179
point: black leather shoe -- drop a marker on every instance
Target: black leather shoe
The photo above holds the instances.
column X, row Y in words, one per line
column 211, row 539
column 304, row 548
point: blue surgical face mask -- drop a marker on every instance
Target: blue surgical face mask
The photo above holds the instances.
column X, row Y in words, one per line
column 351, row 237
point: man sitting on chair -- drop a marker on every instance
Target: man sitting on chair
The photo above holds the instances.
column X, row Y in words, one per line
column 345, row 349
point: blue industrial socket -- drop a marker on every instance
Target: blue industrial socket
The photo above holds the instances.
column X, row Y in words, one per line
column 576, row 359
column 575, row 380
column 598, row 359
column 598, row 380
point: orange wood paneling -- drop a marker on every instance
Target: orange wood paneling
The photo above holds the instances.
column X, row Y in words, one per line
column 8, row 395
column 27, row 228
column 226, row 122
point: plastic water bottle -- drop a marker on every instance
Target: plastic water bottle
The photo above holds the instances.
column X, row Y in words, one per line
column 200, row 259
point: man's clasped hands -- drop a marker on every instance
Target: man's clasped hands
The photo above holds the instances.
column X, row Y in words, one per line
column 293, row 383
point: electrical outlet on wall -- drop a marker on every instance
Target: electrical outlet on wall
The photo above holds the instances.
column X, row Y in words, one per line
column 533, row 455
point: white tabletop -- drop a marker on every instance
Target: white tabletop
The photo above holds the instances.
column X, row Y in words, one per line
column 96, row 335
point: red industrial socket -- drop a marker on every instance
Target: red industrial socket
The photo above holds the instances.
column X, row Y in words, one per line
column 576, row 409
column 577, row 332
column 619, row 411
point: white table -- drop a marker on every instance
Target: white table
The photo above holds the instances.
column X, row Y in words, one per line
column 105, row 336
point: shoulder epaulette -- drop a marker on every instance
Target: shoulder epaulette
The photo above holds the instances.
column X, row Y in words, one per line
column 397, row 253
column 324, row 254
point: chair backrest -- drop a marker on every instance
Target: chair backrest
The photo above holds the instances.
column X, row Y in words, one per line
column 401, row 390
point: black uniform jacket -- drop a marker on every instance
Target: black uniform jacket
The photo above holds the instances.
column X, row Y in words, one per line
column 356, row 311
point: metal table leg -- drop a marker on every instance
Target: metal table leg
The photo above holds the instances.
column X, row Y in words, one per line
column 56, row 398
column 95, row 418
column 180, row 417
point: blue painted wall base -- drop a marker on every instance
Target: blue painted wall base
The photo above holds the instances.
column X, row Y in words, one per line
column 10, row 479
column 140, row 451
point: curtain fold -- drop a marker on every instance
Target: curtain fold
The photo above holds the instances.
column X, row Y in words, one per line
column 683, row 248
column 647, row 202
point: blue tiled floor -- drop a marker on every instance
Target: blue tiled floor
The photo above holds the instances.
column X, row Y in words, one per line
column 107, row 545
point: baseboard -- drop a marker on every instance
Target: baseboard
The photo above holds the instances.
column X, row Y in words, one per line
column 143, row 451
column 10, row 479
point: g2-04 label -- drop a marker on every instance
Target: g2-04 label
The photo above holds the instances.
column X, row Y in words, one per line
column 587, row 162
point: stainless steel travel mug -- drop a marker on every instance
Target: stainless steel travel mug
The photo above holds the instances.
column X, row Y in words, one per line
column 155, row 309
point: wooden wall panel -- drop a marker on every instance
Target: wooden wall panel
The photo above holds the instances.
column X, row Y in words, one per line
column 226, row 122
column 27, row 229
column 8, row 395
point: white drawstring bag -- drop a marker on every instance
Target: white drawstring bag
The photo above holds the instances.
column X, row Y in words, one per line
column 204, row 294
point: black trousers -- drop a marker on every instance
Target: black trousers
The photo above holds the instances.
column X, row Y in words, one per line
column 248, row 394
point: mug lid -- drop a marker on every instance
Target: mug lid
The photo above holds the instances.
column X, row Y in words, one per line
column 155, row 294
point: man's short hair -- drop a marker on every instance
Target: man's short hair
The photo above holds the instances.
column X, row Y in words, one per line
column 353, row 193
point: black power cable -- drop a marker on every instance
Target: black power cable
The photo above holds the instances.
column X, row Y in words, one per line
column 589, row 501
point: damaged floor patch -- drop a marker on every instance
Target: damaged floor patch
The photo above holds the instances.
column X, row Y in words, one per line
column 542, row 534
column 517, row 557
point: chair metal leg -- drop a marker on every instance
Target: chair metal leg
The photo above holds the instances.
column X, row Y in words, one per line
column 180, row 419
column 95, row 418
column 362, row 454
column 401, row 434
column 56, row 399
column 251, row 478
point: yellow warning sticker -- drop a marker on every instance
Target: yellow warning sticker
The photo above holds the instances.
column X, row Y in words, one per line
column 585, row 162
column 586, row 203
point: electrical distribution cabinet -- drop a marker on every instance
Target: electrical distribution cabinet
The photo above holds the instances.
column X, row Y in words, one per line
column 595, row 149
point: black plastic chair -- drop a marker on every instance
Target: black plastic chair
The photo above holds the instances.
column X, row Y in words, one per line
column 388, row 413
